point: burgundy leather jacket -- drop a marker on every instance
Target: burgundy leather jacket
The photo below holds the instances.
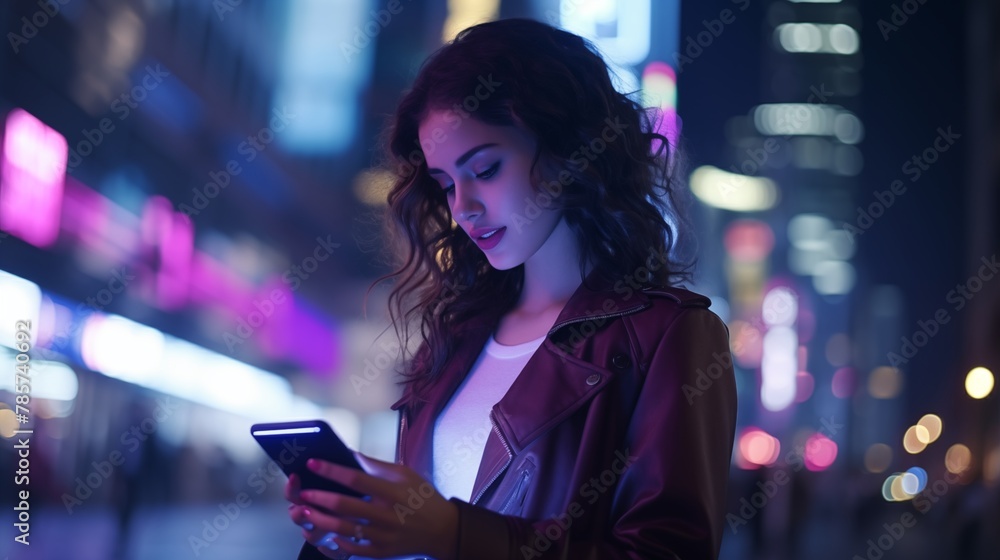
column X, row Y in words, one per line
column 613, row 442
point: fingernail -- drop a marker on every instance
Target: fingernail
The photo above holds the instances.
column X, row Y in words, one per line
column 312, row 464
column 308, row 526
column 306, row 512
column 328, row 542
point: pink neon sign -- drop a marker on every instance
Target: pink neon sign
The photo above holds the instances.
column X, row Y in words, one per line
column 32, row 171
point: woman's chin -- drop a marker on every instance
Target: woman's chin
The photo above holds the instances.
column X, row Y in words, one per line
column 500, row 263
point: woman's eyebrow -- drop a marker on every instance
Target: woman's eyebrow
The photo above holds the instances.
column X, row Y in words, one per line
column 464, row 157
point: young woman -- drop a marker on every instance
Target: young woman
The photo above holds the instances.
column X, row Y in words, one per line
column 565, row 401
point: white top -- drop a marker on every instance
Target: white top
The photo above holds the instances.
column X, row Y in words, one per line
column 463, row 426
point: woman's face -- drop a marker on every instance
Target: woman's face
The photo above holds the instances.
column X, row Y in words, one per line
column 484, row 170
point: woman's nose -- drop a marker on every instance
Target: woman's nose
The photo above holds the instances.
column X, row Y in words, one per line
column 466, row 205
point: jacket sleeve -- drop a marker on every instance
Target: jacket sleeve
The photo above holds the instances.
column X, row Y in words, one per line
column 670, row 502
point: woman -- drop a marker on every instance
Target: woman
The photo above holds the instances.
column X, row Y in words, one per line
column 565, row 401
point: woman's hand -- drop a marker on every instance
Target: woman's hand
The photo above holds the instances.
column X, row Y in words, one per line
column 403, row 513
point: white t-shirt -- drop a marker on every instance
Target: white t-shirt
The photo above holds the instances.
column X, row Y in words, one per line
column 462, row 428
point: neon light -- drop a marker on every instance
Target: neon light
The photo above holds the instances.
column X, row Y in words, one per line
column 21, row 301
column 620, row 29
column 133, row 352
column 659, row 88
column 212, row 283
column 170, row 235
column 106, row 229
column 316, row 345
column 121, row 348
column 32, row 170
column 49, row 380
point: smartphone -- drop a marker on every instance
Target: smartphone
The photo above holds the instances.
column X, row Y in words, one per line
column 291, row 444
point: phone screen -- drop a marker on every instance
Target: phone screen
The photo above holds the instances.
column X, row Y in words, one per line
column 291, row 444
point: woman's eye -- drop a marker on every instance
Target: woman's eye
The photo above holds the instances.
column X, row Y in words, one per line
column 489, row 172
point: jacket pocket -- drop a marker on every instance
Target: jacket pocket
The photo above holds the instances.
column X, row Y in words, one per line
column 515, row 499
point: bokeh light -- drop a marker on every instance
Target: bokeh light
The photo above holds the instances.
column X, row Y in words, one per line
column 838, row 350
column 914, row 480
column 885, row 382
column 780, row 307
column 748, row 240
column 887, row 487
column 979, row 382
column 878, row 457
column 834, row 277
column 778, row 368
column 958, row 458
column 804, row 385
column 932, row 423
column 896, row 488
column 733, row 191
column 8, row 423
column 991, row 467
column 842, row 384
column 915, row 438
column 821, row 452
column 758, row 447
column 747, row 343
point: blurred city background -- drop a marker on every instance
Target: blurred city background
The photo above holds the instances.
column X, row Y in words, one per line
column 189, row 200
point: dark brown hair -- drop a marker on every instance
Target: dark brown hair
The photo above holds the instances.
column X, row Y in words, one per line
column 522, row 72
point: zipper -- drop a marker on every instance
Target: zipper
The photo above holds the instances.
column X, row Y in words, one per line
column 510, row 457
column 399, row 440
column 604, row 316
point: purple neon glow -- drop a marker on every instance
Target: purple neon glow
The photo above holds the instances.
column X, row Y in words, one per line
column 310, row 340
column 211, row 283
column 663, row 80
column 293, row 333
column 275, row 298
column 32, row 170
column 170, row 236
column 94, row 221
column 283, row 327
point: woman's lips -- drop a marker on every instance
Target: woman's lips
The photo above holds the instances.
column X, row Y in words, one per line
column 491, row 241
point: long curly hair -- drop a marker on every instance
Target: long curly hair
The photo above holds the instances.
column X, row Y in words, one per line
column 619, row 196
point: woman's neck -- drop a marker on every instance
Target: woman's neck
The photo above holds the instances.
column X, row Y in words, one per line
column 552, row 274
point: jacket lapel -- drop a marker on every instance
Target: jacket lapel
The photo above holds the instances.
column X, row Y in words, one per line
column 554, row 382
